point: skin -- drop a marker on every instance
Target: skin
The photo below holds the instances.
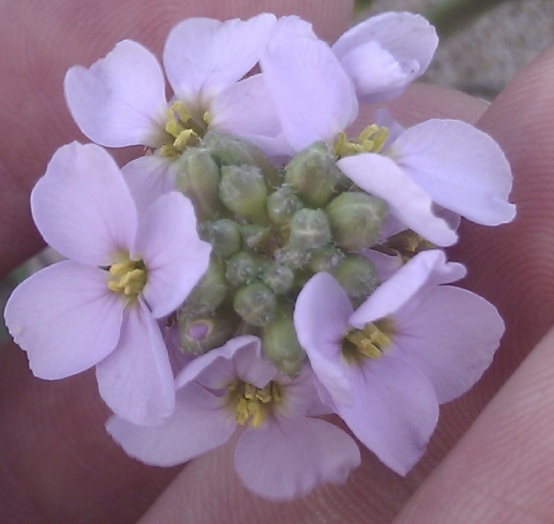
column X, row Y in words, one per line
column 492, row 456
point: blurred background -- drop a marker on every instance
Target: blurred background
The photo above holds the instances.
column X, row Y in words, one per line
column 483, row 43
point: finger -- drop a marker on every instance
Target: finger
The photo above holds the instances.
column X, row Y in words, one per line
column 45, row 41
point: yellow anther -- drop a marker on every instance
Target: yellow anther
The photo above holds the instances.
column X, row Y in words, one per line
column 370, row 140
column 128, row 277
column 185, row 138
column 252, row 403
column 207, row 117
column 371, row 341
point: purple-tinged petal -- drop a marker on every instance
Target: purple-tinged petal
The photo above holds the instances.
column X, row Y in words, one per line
column 321, row 321
column 203, row 56
column 65, row 318
column 450, row 335
column 394, row 411
column 287, row 458
column 407, row 201
column 199, row 424
column 120, row 100
column 136, row 380
column 426, row 270
column 172, row 251
column 385, row 52
column 460, row 167
column 82, row 206
column 246, row 109
column 148, row 178
column 288, row 27
column 312, row 94
column 386, row 265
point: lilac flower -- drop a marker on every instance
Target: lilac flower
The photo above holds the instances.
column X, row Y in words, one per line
column 124, row 272
column 281, row 453
column 415, row 343
column 120, row 100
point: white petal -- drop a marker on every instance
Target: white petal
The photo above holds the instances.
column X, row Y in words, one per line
column 120, row 100
column 65, row 318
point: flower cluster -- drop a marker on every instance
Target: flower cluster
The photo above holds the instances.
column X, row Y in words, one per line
column 259, row 266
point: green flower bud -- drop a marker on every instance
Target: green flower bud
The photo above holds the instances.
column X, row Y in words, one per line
column 243, row 190
column 231, row 150
column 313, row 174
column 282, row 204
column 278, row 278
column 280, row 345
column 209, row 293
column 326, row 259
column 242, row 268
column 309, row 228
column 255, row 303
column 223, row 235
column 198, row 178
column 293, row 256
column 356, row 219
column 255, row 237
column 199, row 335
column 357, row 276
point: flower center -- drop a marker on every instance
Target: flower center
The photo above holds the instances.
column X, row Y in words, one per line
column 370, row 341
column 128, row 277
column 370, row 140
column 253, row 403
column 183, row 129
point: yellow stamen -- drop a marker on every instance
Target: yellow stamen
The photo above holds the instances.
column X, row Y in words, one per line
column 371, row 341
column 407, row 244
column 253, row 403
column 127, row 277
column 183, row 130
column 370, row 140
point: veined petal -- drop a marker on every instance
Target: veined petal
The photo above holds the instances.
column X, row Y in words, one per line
column 148, row 178
column 199, row 424
column 426, row 270
column 386, row 52
column 172, row 251
column 82, row 206
column 65, row 318
column 313, row 96
column 407, row 201
column 394, row 411
column 321, row 321
column 203, row 56
column 286, row 458
column 136, row 380
column 450, row 335
column 460, row 167
column 120, row 100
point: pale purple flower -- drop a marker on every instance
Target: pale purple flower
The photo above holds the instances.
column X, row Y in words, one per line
column 123, row 272
column 120, row 100
column 384, row 53
column 413, row 344
column 281, row 453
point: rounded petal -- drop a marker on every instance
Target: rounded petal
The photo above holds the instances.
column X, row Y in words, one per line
column 394, row 411
column 172, row 251
column 65, row 318
column 386, row 52
column 82, row 206
column 407, row 201
column 428, row 269
column 136, row 380
column 460, row 167
column 199, row 424
column 287, row 458
column 120, row 100
column 321, row 321
column 313, row 96
column 203, row 56
column 450, row 335
column 148, row 178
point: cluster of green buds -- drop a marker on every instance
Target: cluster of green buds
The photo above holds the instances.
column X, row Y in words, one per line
column 270, row 230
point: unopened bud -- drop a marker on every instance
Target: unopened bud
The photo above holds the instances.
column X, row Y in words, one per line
column 223, row 235
column 282, row 204
column 278, row 278
column 357, row 276
column 313, row 174
column 255, row 303
column 293, row 256
column 242, row 268
column 280, row 344
column 198, row 178
column 254, row 236
column 356, row 219
column 309, row 228
column 209, row 293
column 326, row 259
column 243, row 190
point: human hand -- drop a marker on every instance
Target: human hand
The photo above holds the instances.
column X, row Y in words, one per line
column 60, row 465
